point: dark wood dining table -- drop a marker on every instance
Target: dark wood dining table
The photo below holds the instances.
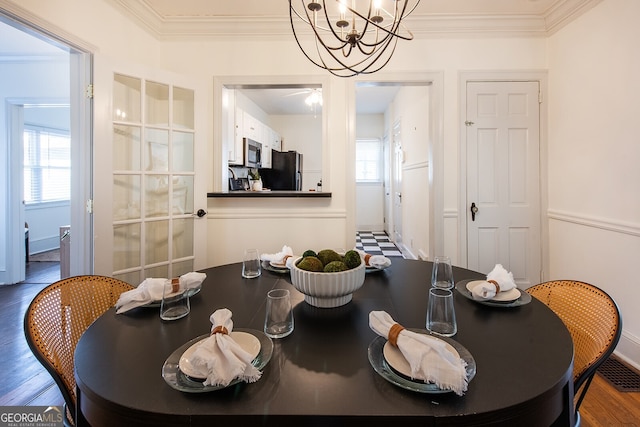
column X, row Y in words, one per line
column 321, row 374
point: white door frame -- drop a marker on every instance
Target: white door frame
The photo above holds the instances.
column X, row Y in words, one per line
column 541, row 76
column 81, row 259
column 436, row 146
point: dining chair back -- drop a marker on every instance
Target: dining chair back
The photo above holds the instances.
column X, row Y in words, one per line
column 56, row 319
column 593, row 319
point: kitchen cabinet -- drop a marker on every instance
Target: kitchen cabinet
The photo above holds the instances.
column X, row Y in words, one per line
column 233, row 129
column 253, row 128
column 244, row 125
column 275, row 140
column 272, row 141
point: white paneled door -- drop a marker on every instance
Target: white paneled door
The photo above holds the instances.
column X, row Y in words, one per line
column 398, row 160
column 503, row 178
column 150, row 198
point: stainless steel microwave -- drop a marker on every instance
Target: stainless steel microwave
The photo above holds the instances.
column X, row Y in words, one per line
column 252, row 153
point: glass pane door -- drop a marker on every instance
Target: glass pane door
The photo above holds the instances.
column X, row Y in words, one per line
column 153, row 179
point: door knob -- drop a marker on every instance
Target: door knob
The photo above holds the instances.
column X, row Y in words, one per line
column 474, row 211
column 201, row 213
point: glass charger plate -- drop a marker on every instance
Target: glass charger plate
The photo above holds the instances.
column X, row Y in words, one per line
column 178, row 380
column 267, row 266
column 154, row 304
column 380, row 365
column 372, row 269
column 524, row 299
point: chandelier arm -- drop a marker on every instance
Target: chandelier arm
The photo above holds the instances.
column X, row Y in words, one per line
column 326, row 15
column 397, row 22
column 365, row 70
column 378, row 42
column 306, row 18
column 352, row 68
column 320, row 64
column 319, row 38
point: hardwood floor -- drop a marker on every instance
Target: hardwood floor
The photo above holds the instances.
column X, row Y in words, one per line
column 26, row 382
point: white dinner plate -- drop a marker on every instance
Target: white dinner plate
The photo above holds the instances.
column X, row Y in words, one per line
column 506, row 296
column 277, row 264
column 247, row 342
column 397, row 361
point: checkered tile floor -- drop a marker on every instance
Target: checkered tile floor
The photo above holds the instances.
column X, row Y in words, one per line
column 376, row 243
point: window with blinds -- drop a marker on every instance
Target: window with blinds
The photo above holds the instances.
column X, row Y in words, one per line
column 47, row 165
column 369, row 160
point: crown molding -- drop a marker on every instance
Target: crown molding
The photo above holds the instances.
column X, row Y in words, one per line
column 422, row 26
column 566, row 11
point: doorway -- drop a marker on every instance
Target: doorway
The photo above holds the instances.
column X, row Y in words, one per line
column 42, row 73
column 405, row 112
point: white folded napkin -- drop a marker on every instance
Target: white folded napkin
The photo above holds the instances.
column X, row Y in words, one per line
column 221, row 357
column 377, row 261
column 279, row 258
column 429, row 357
column 488, row 289
column 151, row 289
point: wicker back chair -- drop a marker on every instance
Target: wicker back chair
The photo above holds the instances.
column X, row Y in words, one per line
column 594, row 321
column 56, row 319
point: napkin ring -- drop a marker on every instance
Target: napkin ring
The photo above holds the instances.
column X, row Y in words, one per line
column 496, row 284
column 175, row 285
column 219, row 330
column 394, row 331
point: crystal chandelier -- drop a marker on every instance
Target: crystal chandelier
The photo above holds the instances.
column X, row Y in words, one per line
column 350, row 37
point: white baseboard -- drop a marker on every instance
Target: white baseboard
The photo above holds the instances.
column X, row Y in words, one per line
column 628, row 349
column 370, row 227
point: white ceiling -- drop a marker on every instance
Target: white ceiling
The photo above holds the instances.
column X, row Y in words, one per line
column 171, row 19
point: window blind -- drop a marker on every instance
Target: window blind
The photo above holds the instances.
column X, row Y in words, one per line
column 47, row 165
column 369, row 160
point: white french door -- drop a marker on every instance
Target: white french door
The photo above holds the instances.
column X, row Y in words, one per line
column 503, row 178
column 150, row 193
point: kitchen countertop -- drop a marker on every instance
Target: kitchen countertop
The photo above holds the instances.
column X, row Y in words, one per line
column 261, row 194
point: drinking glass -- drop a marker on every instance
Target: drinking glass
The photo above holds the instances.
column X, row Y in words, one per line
column 442, row 273
column 278, row 321
column 251, row 264
column 174, row 305
column 441, row 315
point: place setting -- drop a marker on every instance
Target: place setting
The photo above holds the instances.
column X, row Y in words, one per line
column 416, row 360
column 374, row 263
column 222, row 358
column 498, row 290
column 153, row 292
column 277, row 263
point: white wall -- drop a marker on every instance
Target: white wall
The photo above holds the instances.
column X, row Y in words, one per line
column 411, row 110
column 44, row 225
column 594, row 151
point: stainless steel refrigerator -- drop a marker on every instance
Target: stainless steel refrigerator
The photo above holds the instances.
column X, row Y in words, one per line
column 285, row 173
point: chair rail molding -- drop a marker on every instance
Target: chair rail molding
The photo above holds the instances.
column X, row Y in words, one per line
column 608, row 224
column 281, row 214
